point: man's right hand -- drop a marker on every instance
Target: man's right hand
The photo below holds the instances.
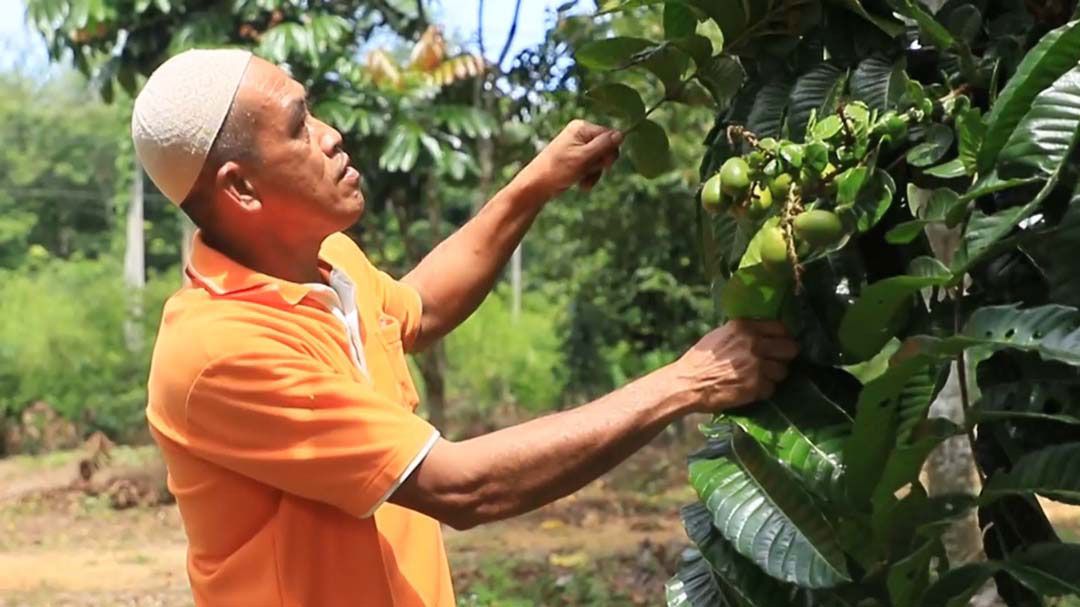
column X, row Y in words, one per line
column 738, row 363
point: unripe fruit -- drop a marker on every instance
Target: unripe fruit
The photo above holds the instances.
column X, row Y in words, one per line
column 818, row 228
column 735, row 177
column 712, row 196
column 761, row 200
column 773, row 248
column 780, row 186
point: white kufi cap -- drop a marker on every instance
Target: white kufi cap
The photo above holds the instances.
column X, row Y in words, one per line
column 179, row 112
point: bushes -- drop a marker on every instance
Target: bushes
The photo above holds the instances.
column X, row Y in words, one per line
column 62, row 341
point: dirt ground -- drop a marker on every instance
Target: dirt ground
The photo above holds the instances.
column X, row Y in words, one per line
column 614, row 543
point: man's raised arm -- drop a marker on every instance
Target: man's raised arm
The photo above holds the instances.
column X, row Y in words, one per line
column 456, row 276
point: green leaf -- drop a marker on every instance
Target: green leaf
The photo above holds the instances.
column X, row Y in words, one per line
column 903, row 233
column 956, row 586
column 907, row 460
column 970, row 131
column 1048, row 131
column 723, row 77
column 740, row 576
column 1049, row 395
column 667, row 63
column 618, row 100
column 879, row 82
column 611, row 53
column 815, row 91
column 801, row 427
column 732, row 16
column 402, row 149
column 679, row 20
column 648, row 148
column 908, row 577
column 881, row 311
column 874, row 199
column 1053, row 472
column 1056, row 53
column 889, row 26
column 694, row 585
column 939, row 138
column 933, row 32
column 849, row 184
column 767, row 115
column 1050, row 569
column 768, row 517
column 754, row 292
column 698, row 47
column 1052, row 331
column 827, row 127
column 949, row 170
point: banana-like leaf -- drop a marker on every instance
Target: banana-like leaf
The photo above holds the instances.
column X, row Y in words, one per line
column 815, row 91
column 1053, row 472
column 879, row 82
column 1048, row 132
column 766, row 514
column 1050, row 569
column 402, row 148
column 1053, row 399
column 1056, row 53
column 736, row 573
column 801, row 427
column 694, row 585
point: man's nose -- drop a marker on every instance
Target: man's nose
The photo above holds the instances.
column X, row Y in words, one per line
column 330, row 142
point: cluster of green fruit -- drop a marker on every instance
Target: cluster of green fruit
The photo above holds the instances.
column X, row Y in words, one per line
column 798, row 183
column 735, row 189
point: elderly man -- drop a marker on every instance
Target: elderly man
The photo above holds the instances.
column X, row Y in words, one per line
column 279, row 392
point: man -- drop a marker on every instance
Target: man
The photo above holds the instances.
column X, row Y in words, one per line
column 279, row 392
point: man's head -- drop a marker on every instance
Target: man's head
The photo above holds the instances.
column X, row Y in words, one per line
column 228, row 137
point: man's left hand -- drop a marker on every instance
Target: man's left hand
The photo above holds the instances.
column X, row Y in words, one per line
column 578, row 155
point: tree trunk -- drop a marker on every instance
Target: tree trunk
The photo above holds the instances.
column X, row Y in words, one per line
column 432, row 364
column 134, row 262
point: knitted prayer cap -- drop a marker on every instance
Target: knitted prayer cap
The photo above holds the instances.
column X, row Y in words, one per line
column 179, row 112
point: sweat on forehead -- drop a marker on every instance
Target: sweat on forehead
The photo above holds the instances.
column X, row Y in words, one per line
column 179, row 113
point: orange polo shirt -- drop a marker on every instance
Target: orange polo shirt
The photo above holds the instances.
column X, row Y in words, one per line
column 284, row 437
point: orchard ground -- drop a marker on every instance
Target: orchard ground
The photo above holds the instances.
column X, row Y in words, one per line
column 614, row 543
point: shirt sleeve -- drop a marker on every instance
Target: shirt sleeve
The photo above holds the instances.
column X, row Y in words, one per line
column 286, row 420
column 403, row 302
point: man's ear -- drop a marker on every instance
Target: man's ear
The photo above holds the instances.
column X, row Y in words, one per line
column 229, row 181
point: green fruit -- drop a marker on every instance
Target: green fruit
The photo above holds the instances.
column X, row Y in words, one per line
column 761, row 200
column 780, row 186
column 818, row 228
column 773, row 248
column 712, row 196
column 735, row 177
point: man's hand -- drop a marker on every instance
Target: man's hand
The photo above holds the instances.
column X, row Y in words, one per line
column 578, row 155
column 739, row 363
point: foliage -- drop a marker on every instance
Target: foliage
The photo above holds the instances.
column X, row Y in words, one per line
column 867, row 144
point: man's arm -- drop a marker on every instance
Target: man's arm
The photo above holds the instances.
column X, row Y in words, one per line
column 523, row 467
column 456, row 276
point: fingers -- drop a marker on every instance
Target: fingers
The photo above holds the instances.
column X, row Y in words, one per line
column 771, row 328
column 603, row 144
column 776, row 348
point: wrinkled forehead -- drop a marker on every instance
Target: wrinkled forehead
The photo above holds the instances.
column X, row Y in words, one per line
column 267, row 93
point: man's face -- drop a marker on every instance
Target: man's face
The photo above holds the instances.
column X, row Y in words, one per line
column 302, row 176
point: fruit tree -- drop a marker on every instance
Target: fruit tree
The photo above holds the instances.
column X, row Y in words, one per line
column 898, row 184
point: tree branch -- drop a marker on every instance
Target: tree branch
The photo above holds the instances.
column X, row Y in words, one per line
column 510, row 35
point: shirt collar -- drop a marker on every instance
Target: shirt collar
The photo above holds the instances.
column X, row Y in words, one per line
column 214, row 271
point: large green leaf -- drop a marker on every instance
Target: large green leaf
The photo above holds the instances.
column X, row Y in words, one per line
column 766, row 514
column 679, row 20
column 1052, row 331
column 933, row 32
column 612, row 53
column 1053, row 472
column 1053, row 395
column 694, row 585
column 1050, row 569
column 939, row 138
column 909, row 576
column 879, row 82
column 648, row 148
column 815, row 91
column 735, row 572
column 754, row 292
column 767, row 115
column 1048, row 131
column 881, row 311
column 872, row 202
column 1056, row 53
column 723, row 77
column 801, row 427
